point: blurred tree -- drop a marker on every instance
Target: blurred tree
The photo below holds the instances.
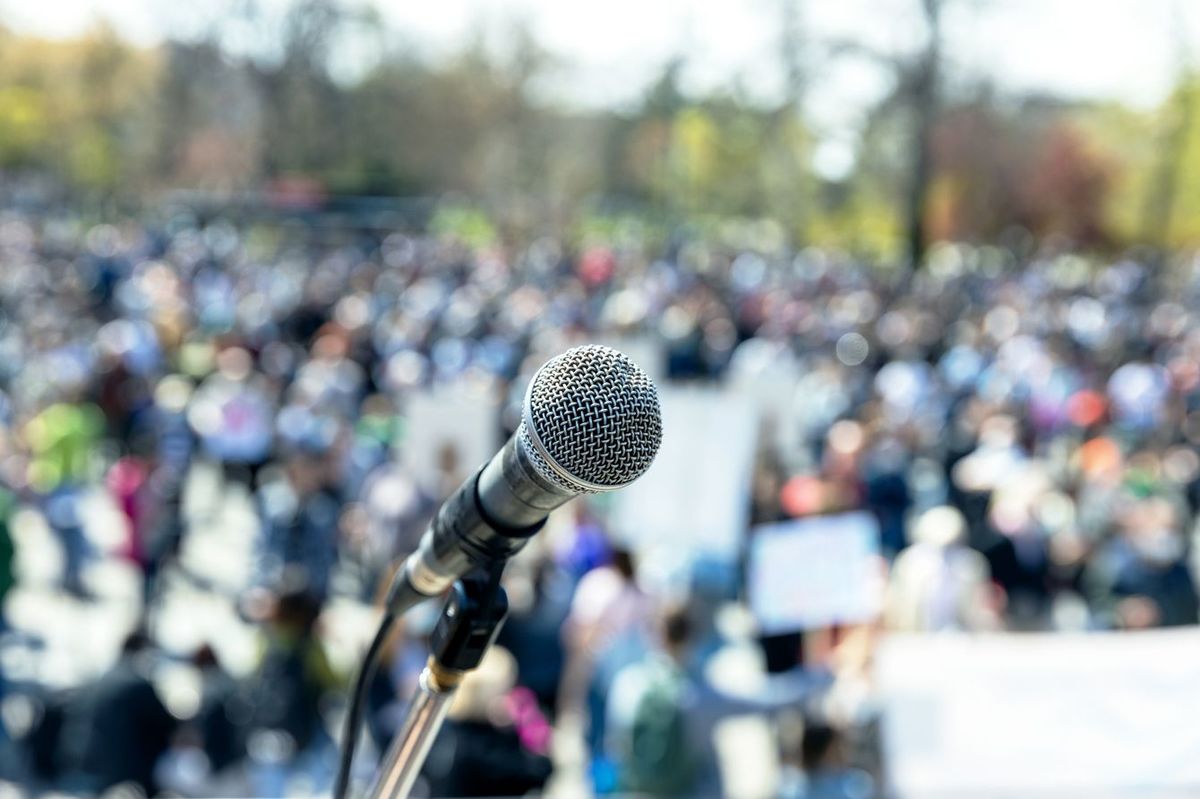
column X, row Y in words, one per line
column 1172, row 205
column 268, row 93
column 1160, row 201
column 914, row 98
column 786, row 177
column 305, row 119
column 1065, row 190
column 653, row 162
column 975, row 154
column 23, row 125
column 76, row 109
column 210, row 120
column 1127, row 137
column 922, row 85
column 860, row 212
column 1033, row 166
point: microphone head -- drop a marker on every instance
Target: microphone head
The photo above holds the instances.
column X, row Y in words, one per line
column 591, row 420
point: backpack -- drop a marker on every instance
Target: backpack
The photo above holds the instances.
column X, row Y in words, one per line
column 660, row 759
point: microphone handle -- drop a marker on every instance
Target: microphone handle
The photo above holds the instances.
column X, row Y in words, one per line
column 489, row 518
column 514, row 493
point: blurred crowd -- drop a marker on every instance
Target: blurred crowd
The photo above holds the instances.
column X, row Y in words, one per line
column 1022, row 426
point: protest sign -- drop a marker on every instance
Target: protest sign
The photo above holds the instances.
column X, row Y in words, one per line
column 814, row 572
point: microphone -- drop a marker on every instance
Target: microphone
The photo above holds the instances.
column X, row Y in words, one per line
column 591, row 423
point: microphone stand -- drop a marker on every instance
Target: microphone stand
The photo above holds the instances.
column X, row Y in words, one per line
column 469, row 624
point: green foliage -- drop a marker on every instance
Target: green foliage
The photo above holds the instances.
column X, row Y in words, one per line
column 93, row 160
column 462, row 223
column 76, row 108
column 634, row 230
column 23, row 125
column 1181, row 116
column 1131, row 139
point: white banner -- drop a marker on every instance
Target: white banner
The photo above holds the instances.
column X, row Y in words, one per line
column 1042, row 715
column 695, row 497
column 814, row 572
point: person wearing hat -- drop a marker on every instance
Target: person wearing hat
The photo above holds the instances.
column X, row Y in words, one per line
column 938, row 582
column 479, row 751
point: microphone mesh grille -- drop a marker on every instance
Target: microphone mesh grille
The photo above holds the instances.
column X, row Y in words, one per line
column 596, row 415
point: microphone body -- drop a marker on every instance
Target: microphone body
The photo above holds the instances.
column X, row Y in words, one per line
column 489, row 518
column 591, row 423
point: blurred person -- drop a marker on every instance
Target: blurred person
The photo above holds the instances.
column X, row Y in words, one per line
column 117, row 727
column 766, row 488
column 998, row 487
column 1101, row 469
column 299, row 525
column 819, row 767
column 538, row 607
column 293, row 675
column 885, row 475
column 607, row 604
column 62, row 439
column 173, row 446
column 8, row 508
column 374, row 432
column 1142, row 579
column 218, row 724
column 939, row 583
column 207, row 747
column 450, row 473
column 396, row 510
column 604, row 631
column 479, row 751
column 232, row 413
column 663, row 710
column 117, row 395
column 128, row 354
column 585, row 547
column 329, row 376
column 392, row 683
column 127, row 482
column 1020, row 553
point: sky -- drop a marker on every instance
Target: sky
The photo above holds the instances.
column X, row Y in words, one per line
column 607, row 53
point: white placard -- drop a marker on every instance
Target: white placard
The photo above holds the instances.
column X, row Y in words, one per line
column 814, row 572
column 1041, row 715
column 694, row 499
column 466, row 421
